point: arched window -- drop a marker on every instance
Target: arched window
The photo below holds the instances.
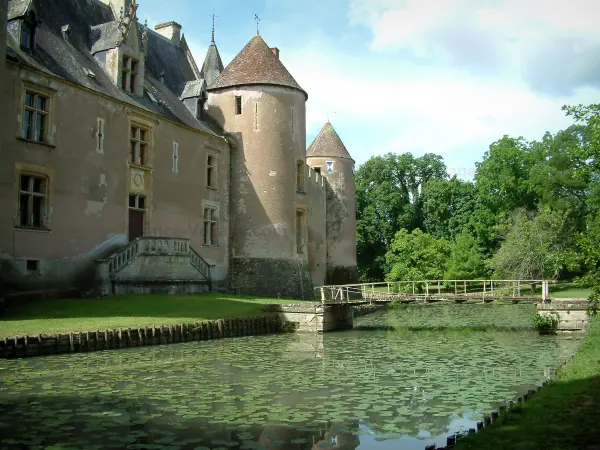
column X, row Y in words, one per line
column 28, row 32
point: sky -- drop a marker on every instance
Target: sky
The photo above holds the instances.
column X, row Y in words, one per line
column 421, row 76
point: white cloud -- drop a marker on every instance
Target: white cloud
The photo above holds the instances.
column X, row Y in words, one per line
column 519, row 38
column 403, row 107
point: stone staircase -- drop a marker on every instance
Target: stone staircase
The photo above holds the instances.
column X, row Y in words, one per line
column 149, row 265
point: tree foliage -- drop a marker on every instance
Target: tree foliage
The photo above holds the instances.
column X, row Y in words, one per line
column 466, row 260
column 532, row 211
column 416, row 256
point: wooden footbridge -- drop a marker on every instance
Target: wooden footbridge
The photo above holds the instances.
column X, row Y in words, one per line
column 432, row 291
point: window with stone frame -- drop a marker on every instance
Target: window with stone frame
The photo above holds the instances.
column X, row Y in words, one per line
column 139, row 145
column 175, row 157
column 35, row 116
column 300, row 232
column 210, row 226
column 100, row 135
column 33, row 197
column 238, row 105
column 211, row 170
column 300, row 176
column 129, row 74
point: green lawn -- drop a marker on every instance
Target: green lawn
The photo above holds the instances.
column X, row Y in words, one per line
column 569, row 290
column 129, row 311
column 562, row 416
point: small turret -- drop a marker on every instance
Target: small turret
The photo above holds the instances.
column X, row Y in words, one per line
column 328, row 155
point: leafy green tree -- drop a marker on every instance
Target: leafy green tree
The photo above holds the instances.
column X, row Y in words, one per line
column 536, row 247
column 466, row 261
column 416, row 256
column 562, row 178
column 589, row 240
column 389, row 193
column 502, row 178
column 448, row 207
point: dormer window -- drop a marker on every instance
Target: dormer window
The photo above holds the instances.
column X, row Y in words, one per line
column 129, row 74
column 28, row 32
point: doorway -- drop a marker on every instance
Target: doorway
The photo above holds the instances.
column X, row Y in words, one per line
column 137, row 209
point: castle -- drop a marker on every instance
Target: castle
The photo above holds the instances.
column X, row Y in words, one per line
column 127, row 168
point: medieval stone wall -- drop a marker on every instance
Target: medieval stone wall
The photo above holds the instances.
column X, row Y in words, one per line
column 341, row 218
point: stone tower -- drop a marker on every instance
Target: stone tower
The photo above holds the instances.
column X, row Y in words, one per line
column 261, row 108
column 328, row 155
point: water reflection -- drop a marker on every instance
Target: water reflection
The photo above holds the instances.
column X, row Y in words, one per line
column 373, row 389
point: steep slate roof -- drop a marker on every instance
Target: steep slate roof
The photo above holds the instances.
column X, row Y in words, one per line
column 328, row 144
column 105, row 36
column 255, row 64
column 69, row 58
column 213, row 66
column 193, row 89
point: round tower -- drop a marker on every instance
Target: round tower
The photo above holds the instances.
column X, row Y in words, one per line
column 329, row 156
column 261, row 108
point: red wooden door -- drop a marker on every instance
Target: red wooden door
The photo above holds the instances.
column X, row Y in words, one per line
column 136, row 224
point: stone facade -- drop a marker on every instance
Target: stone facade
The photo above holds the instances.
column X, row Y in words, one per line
column 219, row 158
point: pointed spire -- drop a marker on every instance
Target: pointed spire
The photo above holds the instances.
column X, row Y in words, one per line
column 328, row 144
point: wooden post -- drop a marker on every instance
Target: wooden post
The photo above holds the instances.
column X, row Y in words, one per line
column 373, row 288
column 544, row 291
column 455, row 288
column 426, row 290
column 347, row 293
column 492, row 287
column 413, row 285
column 388, row 286
column 323, row 295
column 483, row 290
column 439, row 288
column 465, row 282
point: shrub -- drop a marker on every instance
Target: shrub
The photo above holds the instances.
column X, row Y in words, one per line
column 546, row 323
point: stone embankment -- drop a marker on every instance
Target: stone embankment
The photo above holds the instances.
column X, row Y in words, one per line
column 25, row 346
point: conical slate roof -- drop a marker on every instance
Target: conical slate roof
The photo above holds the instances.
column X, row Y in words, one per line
column 256, row 64
column 213, row 66
column 328, row 144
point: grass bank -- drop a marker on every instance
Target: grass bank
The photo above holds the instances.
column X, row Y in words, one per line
column 128, row 311
column 562, row 416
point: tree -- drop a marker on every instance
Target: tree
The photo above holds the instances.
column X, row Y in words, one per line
column 416, row 256
column 466, row 260
column 448, row 207
column 389, row 193
column 536, row 247
column 561, row 179
column 502, row 178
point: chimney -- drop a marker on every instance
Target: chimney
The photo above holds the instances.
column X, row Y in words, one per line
column 170, row 30
column 275, row 51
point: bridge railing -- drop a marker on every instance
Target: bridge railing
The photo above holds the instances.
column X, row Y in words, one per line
column 431, row 289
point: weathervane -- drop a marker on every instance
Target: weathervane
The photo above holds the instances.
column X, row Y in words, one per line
column 257, row 19
column 213, row 15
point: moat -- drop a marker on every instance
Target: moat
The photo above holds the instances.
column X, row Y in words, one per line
column 375, row 387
